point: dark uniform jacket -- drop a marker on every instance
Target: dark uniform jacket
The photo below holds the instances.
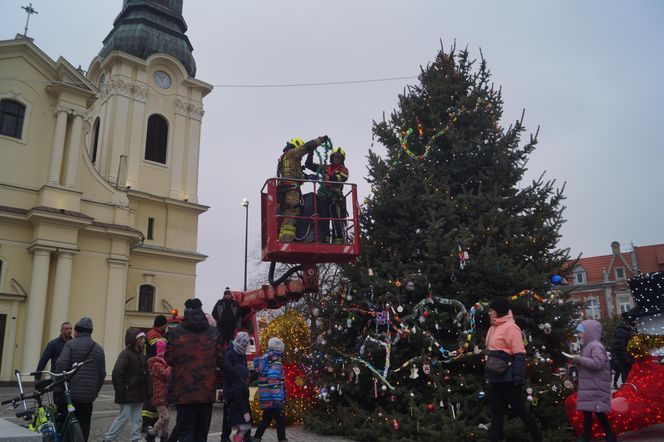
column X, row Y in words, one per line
column 85, row 386
column 621, row 336
column 193, row 354
column 130, row 373
column 51, row 352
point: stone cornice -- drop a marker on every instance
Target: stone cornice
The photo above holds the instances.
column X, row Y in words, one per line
column 169, row 253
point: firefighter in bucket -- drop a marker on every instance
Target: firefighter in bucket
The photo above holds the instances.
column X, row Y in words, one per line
column 331, row 200
column 289, row 195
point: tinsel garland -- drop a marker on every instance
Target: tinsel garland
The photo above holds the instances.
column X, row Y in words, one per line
column 641, row 345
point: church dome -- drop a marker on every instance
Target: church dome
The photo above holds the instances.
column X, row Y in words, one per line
column 146, row 27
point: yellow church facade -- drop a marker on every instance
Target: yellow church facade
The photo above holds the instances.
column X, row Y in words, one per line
column 98, row 184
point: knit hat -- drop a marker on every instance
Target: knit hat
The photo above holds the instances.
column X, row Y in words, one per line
column 276, row 344
column 84, row 325
column 580, row 328
column 160, row 320
column 161, row 347
column 193, row 303
column 500, row 305
column 241, row 342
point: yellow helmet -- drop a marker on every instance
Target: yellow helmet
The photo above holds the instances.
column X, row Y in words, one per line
column 296, row 142
column 338, row 151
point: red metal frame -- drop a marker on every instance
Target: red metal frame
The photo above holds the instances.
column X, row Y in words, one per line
column 311, row 252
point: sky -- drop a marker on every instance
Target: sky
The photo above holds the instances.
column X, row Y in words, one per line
column 588, row 73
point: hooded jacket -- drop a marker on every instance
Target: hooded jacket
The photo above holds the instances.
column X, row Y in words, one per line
column 130, row 373
column 504, row 340
column 193, row 355
column 621, row 336
column 271, row 388
column 594, row 371
column 160, row 373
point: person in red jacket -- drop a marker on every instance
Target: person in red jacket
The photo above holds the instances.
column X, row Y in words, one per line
column 160, row 373
column 331, row 201
column 154, row 335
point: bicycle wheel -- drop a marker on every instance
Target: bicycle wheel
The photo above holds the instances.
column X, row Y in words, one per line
column 73, row 433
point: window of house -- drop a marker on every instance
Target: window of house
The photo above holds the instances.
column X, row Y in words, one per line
column 620, row 273
column 157, row 138
column 624, row 303
column 95, row 141
column 11, row 118
column 146, row 298
column 592, row 308
column 579, row 276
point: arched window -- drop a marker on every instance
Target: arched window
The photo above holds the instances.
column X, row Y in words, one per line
column 95, row 141
column 146, row 298
column 157, row 138
column 11, row 118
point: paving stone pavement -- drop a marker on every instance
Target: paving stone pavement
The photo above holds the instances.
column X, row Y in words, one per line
column 105, row 411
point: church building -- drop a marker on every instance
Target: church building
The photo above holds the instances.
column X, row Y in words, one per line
column 98, row 184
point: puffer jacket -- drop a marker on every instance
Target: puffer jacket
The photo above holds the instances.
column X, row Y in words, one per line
column 621, row 336
column 130, row 374
column 504, row 340
column 594, row 371
column 271, row 388
column 160, row 373
column 193, row 354
column 85, row 386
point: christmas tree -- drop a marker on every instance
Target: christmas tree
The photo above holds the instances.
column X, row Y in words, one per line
column 449, row 225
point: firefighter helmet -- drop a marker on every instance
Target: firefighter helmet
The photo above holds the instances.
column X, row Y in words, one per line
column 293, row 143
column 338, row 151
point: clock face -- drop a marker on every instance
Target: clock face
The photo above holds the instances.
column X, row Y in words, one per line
column 162, row 79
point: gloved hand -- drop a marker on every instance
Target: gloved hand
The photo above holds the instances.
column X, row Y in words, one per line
column 247, row 417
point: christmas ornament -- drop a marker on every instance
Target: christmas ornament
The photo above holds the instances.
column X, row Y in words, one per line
column 481, row 395
column 395, row 424
column 556, row 280
column 413, row 372
column 430, row 407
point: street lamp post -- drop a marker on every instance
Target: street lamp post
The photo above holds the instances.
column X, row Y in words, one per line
column 245, row 204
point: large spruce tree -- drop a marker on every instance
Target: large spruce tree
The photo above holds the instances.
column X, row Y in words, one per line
column 449, row 222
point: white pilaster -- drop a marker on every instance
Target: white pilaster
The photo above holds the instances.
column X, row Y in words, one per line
column 115, row 306
column 61, row 289
column 193, row 147
column 177, row 149
column 36, row 302
column 71, row 175
column 58, row 146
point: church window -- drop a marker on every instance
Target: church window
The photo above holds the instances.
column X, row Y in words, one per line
column 157, row 138
column 95, row 141
column 11, row 118
column 150, row 233
column 146, row 298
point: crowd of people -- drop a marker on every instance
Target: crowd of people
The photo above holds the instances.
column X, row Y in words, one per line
column 176, row 367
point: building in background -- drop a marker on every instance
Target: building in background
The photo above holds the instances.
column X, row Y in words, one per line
column 98, row 183
column 601, row 281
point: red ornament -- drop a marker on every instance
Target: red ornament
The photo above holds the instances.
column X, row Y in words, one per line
column 637, row 404
column 430, row 407
column 395, row 424
column 426, row 313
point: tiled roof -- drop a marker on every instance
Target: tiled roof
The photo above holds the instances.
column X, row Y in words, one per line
column 648, row 258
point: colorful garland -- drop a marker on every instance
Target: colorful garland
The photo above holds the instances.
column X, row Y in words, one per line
column 403, row 138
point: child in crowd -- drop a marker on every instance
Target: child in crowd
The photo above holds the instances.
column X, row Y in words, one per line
column 160, row 373
column 271, row 389
column 236, row 387
column 594, row 371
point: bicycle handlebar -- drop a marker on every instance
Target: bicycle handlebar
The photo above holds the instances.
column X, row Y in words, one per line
column 65, row 374
column 21, row 398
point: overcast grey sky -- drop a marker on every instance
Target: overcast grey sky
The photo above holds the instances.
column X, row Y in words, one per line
column 588, row 72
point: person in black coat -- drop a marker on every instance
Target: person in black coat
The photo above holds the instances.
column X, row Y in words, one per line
column 84, row 387
column 54, row 349
column 228, row 316
column 622, row 360
column 235, row 380
column 130, row 382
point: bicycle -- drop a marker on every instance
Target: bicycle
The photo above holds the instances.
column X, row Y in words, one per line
column 42, row 418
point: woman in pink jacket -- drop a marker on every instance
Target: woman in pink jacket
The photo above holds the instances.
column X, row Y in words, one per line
column 594, row 395
column 506, row 370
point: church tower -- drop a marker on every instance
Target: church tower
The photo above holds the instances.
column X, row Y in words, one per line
column 147, row 121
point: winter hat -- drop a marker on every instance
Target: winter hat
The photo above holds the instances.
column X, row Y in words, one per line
column 193, row 303
column 276, row 344
column 84, row 325
column 241, row 342
column 580, row 328
column 500, row 305
column 161, row 347
column 160, row 320
column 227, row 290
